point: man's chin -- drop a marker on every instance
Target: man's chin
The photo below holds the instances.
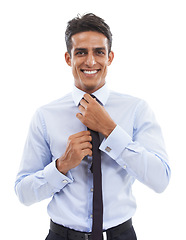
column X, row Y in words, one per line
column 92, row 88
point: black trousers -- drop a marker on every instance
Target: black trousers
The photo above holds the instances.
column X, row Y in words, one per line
column 127, row 235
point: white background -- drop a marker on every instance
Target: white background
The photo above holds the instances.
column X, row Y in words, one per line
column 150, row 63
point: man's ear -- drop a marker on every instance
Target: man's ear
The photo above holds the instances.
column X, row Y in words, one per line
column 110, row 58
column 68, row 59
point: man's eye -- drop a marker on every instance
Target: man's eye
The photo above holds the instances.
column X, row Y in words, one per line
column 80, row 53
column 100, row 53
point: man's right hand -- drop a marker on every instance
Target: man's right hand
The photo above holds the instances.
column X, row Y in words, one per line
column 78, row 147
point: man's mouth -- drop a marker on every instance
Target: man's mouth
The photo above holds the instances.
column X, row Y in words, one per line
column 90, row 72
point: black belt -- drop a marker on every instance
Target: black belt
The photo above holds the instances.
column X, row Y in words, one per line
column 76, row 235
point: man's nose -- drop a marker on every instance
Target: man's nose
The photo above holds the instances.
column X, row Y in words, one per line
column 90, row 60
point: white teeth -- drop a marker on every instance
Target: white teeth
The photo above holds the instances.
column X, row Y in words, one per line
column 90, row 72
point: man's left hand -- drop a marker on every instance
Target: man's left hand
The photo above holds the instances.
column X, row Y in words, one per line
column 94, row 116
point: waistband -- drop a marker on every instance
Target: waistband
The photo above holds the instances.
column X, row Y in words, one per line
column 77, row 235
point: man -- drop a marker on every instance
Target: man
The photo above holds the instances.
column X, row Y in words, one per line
column 58, row 155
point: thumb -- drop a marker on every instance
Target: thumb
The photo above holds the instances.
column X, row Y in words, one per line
column 79, row 116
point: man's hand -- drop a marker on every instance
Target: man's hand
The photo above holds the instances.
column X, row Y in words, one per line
column 78, row 147
column 94, row 116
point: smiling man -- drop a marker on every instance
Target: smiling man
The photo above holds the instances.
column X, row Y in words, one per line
column 86, row 149
column 89, row 58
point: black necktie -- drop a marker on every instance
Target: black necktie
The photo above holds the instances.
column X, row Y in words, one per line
column 97, row 226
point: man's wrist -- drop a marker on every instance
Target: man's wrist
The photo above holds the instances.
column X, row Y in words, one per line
column 61, row 166
column 117, row 141
column 108, row 129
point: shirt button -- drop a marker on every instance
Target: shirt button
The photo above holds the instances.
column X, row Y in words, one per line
column 91, row 216
column 92, row 190
column 124, row 166
column 65, row 181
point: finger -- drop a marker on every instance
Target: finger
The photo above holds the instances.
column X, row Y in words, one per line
column 79, row 116
column 87, row 152
column 83, row 133
column 86, row 145
column 80, row 134
column 85, row 138
column 82, row 109
column 88, row 98
column 83, row 103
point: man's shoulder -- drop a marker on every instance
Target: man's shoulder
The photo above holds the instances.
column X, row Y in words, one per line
column 123, row 97
column 59, row 102
column 56, row 106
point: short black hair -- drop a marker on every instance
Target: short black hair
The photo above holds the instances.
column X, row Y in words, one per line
column 87, row 22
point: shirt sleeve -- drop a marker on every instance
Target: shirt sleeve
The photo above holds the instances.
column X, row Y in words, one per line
column 38, row 177
column 143, row 153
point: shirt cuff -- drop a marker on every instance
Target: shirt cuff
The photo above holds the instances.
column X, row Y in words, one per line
column 116, row 142
column 55, row 178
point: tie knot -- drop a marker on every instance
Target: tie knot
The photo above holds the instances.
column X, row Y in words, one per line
column 93, row 96
column 96, row 99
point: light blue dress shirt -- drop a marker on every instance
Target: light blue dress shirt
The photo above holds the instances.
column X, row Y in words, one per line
column 134, row 150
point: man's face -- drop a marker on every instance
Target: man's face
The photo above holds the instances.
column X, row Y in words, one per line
column 89, row 60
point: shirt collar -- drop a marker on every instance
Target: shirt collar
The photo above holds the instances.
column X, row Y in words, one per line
column 101, row 94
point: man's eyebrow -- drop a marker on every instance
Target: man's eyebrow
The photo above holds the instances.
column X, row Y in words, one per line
column 95, row 49
column 100, row 48
column 80, row 49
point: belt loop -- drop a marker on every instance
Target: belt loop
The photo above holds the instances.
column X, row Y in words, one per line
column 104, row 235
column 109, row 237
column 87, row 236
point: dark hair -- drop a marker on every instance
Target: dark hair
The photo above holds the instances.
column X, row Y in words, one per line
column 87, row 22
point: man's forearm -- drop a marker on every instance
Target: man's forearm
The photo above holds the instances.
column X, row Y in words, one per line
column 41, row 185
